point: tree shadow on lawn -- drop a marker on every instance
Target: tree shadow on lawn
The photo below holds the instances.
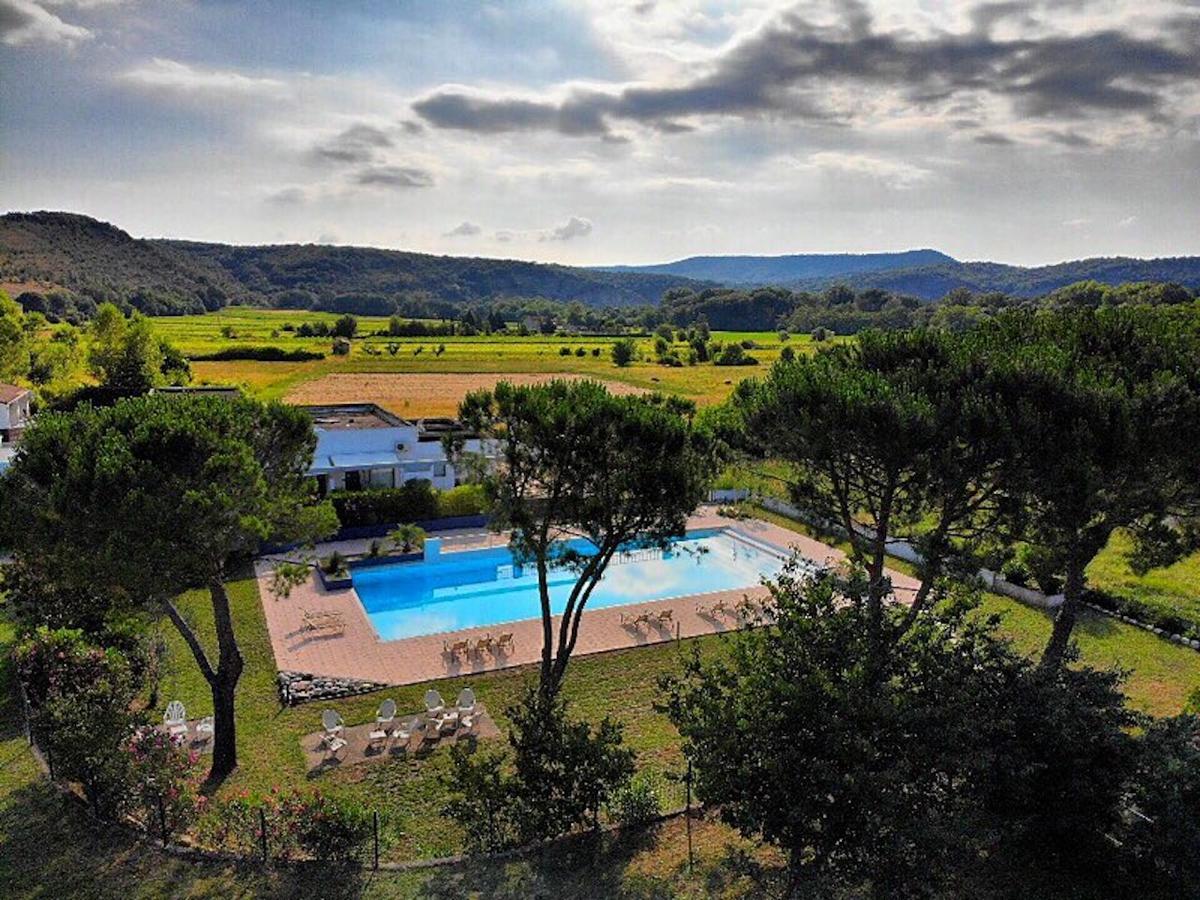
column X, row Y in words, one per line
column 50, row 847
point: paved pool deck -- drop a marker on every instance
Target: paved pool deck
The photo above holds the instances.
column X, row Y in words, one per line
column 357, row 652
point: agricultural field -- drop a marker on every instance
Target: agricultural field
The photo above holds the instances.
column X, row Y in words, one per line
column 489, row 354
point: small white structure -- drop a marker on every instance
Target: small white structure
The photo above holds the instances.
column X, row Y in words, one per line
column 360, row 446
column 15, row 410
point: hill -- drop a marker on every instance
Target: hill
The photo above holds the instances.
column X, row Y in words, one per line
column 934, row 282
column 757, row 270
column 66, row 263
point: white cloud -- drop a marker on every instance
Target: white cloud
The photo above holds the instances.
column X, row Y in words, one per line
column 25, row 22
column 172, row 76
column 464, row 229
column 894, row 173
column 574, row 227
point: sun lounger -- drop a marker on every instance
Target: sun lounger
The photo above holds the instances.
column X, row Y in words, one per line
column 331, row 722
column 504, row 643
column 485, row 645
column 633, row 621
column 323, row 621
column 458, row 648
column 665, row 617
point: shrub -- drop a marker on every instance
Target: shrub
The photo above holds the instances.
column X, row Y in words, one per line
column 324, row 828
column 623, row 352
column 820, row 334
column 596, row 351
column 163, row 780
column 581, row 351
column 334, row 564
column 636, row 802
column 341, row 347
column 464, row 500
column 564, row 351
column 80, row 697
column 734, row 355
column 407, row 538
column 261, row 354
column 345, row 326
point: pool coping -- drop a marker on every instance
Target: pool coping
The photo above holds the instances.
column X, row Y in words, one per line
column 357, row 652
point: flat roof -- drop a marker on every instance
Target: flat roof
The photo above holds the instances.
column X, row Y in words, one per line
column 353, row 416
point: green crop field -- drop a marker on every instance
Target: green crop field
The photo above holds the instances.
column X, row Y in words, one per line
column 381, row 355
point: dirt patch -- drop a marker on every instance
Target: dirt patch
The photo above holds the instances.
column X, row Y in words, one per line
column 417, row 394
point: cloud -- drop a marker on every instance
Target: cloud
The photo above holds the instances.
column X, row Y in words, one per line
column 394, row 177
column 169, row 75
column 994, row 139
column 573, row 228
column 288, row 196
column 795, row 68
column 357, row 144
column 464, row 229
column 1077, row 223
column 893, row 173
column 25, row 22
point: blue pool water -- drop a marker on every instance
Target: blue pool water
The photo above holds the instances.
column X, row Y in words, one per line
column 475, row 588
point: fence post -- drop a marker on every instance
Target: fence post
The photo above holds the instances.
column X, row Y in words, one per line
column 375, row 824
column 688, row 815
column 162, row 819
column 262, row 825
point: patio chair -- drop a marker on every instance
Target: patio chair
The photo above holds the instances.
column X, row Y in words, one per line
column 386, row 717
column 434, row 703
column 447, row 721
column 504, row 643
column 175, row 718
column 332, row 723
column 333, row 744
column 466, row 701
column 405, row 730
column 376, row 738
column 665, row 617
column 458, row 648
column 204, row 730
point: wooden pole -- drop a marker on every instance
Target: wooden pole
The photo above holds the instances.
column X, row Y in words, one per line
column 375, row 823
column 688, row 816
column 262, row 825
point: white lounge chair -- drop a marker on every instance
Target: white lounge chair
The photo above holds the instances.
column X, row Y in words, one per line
column 434, row 703
column 175, row 718
column 332, row 723
column 386, row 717
column 466, row 701
column 405, row 730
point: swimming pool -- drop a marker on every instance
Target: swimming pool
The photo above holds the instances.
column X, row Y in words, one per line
column 475, row 588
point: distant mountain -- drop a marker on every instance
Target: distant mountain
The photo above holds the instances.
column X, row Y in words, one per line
column 934, row 282
column 74, row 262
column 800, row 267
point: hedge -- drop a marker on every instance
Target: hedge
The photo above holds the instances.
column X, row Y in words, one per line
column 416, row 501
column 1143, row 612
column 261, row 354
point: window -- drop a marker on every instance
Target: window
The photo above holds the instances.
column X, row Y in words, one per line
column 439, row 470
column 382, row 478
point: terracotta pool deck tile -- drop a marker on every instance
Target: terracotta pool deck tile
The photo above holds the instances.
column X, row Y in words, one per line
column 357, row 651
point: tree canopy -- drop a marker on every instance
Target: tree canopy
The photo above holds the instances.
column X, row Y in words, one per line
column 158, row 494
column 577, row 463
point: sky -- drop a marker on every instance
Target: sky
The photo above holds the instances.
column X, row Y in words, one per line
column 614, row 131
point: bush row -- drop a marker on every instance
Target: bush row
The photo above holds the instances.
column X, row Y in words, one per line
column 416, row 501
column 261, row 354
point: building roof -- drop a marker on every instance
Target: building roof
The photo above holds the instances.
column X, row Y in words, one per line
column 10, row 392
column 353, row 416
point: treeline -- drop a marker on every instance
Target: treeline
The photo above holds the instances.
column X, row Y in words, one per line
column 843, row 310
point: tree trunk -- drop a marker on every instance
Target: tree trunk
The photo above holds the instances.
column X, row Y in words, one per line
column 1064, row 621
column 222, row 681
column 224, row 686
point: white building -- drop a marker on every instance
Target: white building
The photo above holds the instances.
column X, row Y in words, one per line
column 15, row 410
column 362, row 446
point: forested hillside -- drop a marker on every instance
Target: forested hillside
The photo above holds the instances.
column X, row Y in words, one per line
column 65, row 264
column 755, row 270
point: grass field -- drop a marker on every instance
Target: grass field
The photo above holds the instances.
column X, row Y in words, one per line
column 510, row 354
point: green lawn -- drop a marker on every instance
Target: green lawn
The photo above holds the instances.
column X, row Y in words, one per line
column 1174, row 588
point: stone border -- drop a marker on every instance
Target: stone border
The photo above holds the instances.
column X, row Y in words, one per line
column 1180, row 639
column 305, row 687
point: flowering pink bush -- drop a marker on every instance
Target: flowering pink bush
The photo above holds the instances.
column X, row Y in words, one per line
column 164, row 780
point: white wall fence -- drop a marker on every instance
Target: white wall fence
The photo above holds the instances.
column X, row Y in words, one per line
column 907, row 552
